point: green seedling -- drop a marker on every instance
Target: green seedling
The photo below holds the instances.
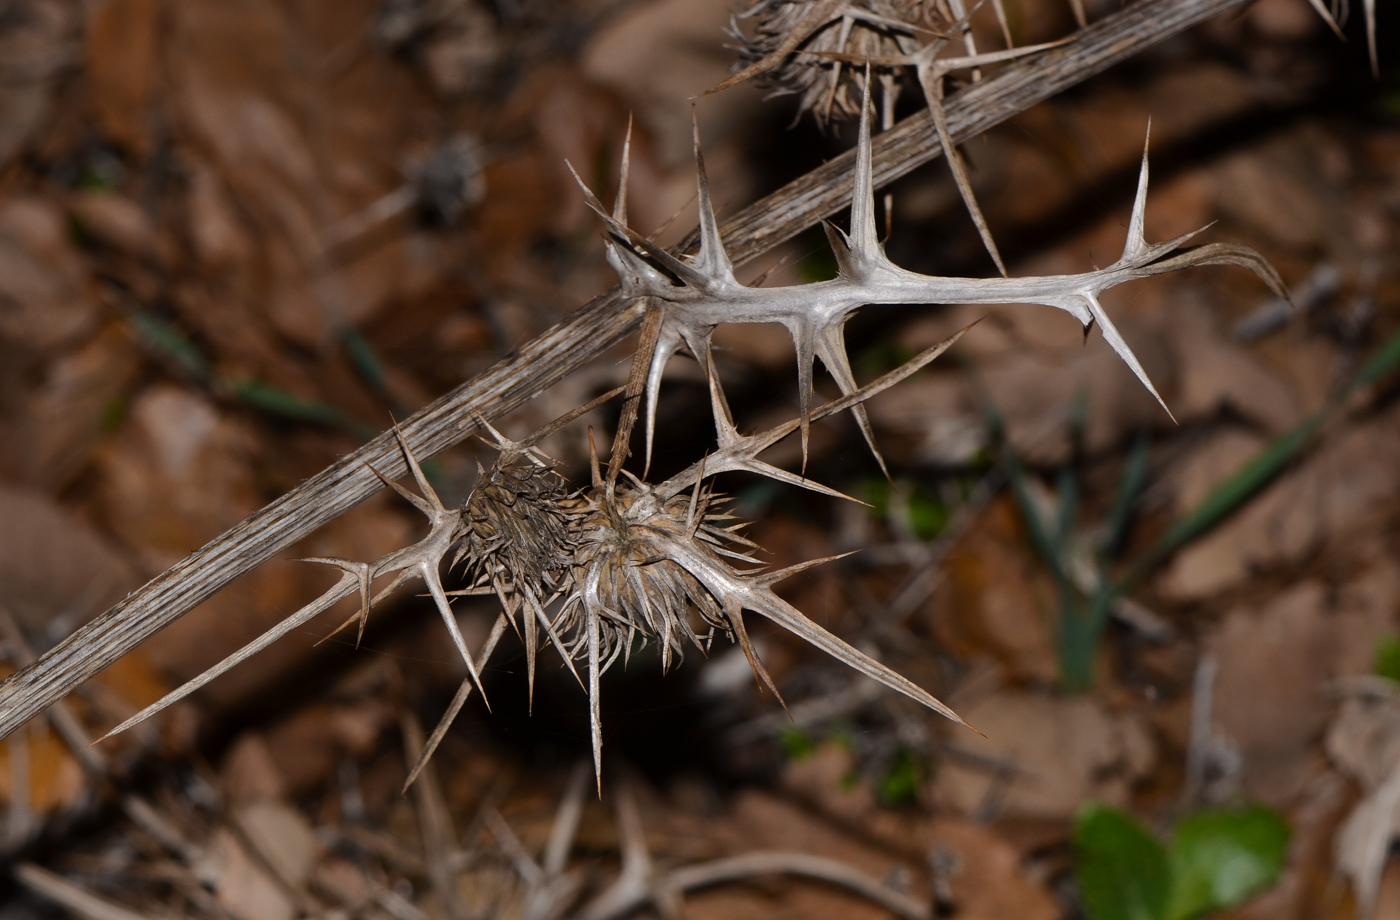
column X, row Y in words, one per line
column 900, row 784
column 908, row 504
column 1214, row 859
column 1387, row 657
column 267, row 398
column 1087, row 593
column 797, row 743
column 1078, row 560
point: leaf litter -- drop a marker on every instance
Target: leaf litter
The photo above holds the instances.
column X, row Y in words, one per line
column 439, row 837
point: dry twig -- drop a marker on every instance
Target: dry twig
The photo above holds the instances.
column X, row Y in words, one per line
column 641, row 884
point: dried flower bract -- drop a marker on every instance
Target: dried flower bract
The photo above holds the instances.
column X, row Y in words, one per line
column 790, row 38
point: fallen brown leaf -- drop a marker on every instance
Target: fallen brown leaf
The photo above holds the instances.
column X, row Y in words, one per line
column 1270, row 696
column 997, row 600
column 1056, row 754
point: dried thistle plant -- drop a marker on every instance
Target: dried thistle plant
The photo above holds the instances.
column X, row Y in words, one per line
column 623, row 561
column 618, row 563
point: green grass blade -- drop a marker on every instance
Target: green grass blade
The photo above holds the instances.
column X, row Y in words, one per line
column 1237, row 489
column 1385, row 360
column 366, row 362
column 1067, row 512
column 171, row 343
column 273, row 400
column 1226, row 498
column 1129, row 488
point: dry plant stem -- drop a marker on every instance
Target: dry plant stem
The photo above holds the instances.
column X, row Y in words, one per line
column 699, row 294
column 752, row 865
column 435, row 825
column 60, row 714
column 61, row 891
column 637, row 885
column 599, row 325
column 550, row 887
column 555, row 887
column 641, row 885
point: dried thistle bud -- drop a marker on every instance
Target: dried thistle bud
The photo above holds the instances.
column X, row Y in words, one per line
column 626, row 571
column 799, row 32
column 520, row 518
column 518, row 521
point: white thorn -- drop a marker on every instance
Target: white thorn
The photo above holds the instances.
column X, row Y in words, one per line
column 1137, row 243
column 712, row 261
column 1117, row 343
column 620, row 205
column 863, row 238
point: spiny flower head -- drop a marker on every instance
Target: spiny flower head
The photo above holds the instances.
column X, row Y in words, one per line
column 626, row 578
column 791, row 40
column 519, row 521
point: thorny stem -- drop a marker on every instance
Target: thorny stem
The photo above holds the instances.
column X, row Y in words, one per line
column 594, row 328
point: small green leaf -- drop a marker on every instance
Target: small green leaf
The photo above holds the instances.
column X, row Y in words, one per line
column 876, row 493
column 1123, row 871
column 274, row 400
column 797, row 744
column 1219, row 857
column 901, row 783
column 928, row 516
column 1387, row 662
column 101, row 173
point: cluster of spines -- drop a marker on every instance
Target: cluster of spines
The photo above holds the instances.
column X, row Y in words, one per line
column 636, row 559
column 693, row 295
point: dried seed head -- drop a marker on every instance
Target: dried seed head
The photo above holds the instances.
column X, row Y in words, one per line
column 518, row 522
column 861, row 29
column 644, row 561
column 628, row 581
column 518, row 540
